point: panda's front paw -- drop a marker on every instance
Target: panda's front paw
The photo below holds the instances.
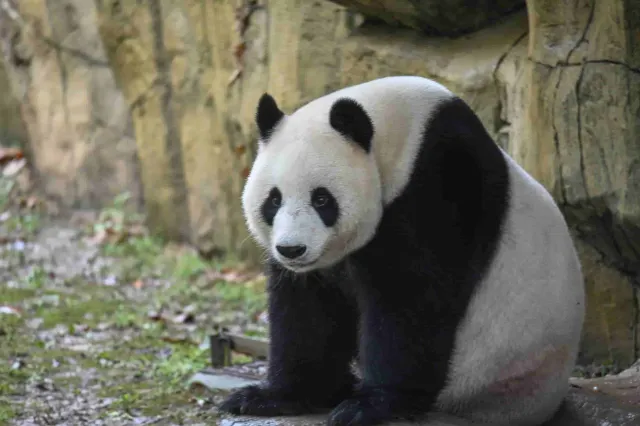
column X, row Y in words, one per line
column 359, row 411
column 261, row 401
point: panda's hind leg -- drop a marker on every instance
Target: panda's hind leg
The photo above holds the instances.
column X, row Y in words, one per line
column 313, row 334
column 526, row 392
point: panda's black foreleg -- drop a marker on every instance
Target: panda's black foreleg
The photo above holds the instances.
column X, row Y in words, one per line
column 313, row 339
column 405, row 348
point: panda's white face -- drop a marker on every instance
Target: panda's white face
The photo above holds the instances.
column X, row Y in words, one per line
column 312, row 196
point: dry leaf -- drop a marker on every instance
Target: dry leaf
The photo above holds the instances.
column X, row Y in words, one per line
column 177, row 339
column 184, row 318
column 240, row 149
column 245, row 172
column 10, row 310
column 14, row 167
column 29, row 202
column 155, row 316
column 138, row 284
column 238, row 50
column 10, row 154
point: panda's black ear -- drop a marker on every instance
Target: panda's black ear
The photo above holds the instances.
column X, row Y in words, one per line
column 349, row 118
column 268, row 115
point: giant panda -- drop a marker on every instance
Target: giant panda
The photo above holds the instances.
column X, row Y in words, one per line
column 400, row 235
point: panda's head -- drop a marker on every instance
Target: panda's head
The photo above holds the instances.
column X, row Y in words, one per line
column 313, row 195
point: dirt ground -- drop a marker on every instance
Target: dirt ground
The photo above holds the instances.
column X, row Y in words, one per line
column 102, row 324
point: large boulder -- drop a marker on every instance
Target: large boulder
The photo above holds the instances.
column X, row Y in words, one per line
column 437, row 17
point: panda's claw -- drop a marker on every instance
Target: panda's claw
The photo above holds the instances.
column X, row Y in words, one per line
column 262, row 402
column 359, row 411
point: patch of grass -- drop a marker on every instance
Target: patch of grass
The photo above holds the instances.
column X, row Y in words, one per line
column 139, row 256
column 188, row 266
column 6, row 187
column 25, row 223
column 183, row 361
column 89, row 309
column 14, row 296
column 7, row 412
column 36, row 278
column 161, row 382
column 249, row 297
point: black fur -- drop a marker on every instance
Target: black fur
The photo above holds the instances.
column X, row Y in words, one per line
column 268, row 115
column 330, row 210
column 313, row 339
column 350, row 119
column 271, row 205
column 411, row 285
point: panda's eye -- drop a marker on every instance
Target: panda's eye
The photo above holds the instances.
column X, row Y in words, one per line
column 320, row 201
column 325, row 205
column 276, row 200
column 321, row 198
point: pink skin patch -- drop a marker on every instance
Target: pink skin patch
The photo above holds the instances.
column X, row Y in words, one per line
column 524, row 377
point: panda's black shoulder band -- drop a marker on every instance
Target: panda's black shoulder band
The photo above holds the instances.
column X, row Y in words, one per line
column 349, row 118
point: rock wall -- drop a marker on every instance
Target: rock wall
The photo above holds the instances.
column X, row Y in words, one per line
column 12, row 130
column 80, row 135
column 179, row 81
column 192, row 73
column 580, row 136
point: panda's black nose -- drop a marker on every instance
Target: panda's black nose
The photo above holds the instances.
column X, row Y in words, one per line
column 291, row 252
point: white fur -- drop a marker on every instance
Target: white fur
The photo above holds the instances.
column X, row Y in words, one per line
column 304, row 152
column 530, row 305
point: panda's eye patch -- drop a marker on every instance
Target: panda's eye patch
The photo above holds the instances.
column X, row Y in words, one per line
column 271, row 205
column 326, row 205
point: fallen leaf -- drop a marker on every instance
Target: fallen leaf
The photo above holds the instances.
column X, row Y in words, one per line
column 10, row 310
column 110, row 280
column 156, row 316
column 183, row 318
column 10, row 154
column 177, row 339
column 138, row 284
column 17, row 364
column 14, row 167
column 263, row 317
column 30, row 202
column 240, row 149
column 245, row 172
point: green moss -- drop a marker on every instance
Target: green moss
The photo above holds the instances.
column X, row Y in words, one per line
column 15, row 296
column 249, row 298
column 87, row 309
column 7, row 412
